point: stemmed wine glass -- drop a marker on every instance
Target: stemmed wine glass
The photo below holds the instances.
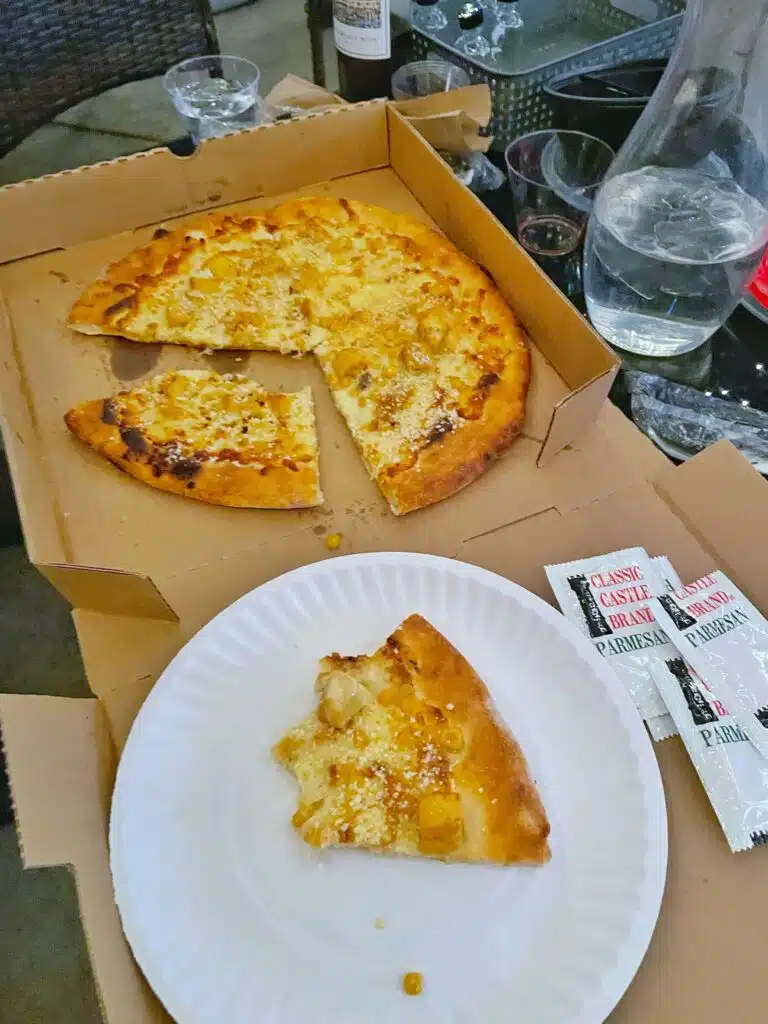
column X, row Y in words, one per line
column 472, row 42
column 428, row 16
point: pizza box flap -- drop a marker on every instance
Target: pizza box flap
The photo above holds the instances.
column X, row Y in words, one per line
column 472, row 100
column 64, row 209
column 145, row 647
column 452, row 121
column 61, row 764
column 723, row 501
column 710, row 513
column 631, row 516
column 110, row 591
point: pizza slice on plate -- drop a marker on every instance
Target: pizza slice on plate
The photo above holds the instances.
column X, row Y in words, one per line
column 218, row 438
column 405, row 755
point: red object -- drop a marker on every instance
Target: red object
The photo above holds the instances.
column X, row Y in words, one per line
column 758, row 287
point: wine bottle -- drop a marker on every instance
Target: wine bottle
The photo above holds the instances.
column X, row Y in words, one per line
column 370, row 42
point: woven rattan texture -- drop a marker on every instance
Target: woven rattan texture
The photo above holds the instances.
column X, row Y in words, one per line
column 55, row 53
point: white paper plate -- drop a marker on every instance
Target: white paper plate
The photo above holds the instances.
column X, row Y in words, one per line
column 234, row 919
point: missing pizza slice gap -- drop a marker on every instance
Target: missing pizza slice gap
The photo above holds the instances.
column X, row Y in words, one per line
column 404, row 754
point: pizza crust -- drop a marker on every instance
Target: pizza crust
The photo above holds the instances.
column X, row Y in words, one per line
column 448, row 465
column 493, row 776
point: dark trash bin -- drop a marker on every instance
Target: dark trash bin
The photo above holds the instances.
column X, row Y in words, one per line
column 607, row 100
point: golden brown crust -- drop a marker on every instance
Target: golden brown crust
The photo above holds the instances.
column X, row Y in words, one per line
column 454, row 461
column 107, row 305
column 493, row 772
column 344, row 211
column 215, row 482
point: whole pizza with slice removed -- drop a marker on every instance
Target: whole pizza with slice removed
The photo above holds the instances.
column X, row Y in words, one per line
column 217, row 438
column 424, row 358
column 405, row 754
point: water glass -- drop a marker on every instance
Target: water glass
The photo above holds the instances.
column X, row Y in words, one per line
column 425, row 77
column 215, row 95
column 554, row 177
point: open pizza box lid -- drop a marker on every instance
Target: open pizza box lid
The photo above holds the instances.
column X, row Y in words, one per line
column 144, row 570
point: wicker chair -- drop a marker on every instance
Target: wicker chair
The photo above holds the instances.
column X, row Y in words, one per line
column 55, row 53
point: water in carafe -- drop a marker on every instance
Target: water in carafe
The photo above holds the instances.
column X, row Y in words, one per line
column 681, row 221
column 670, row 251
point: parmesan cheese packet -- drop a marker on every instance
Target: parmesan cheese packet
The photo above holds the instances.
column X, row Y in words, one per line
column 663, row 726
column 725, row 638
column 731, row 770
column 666, row 574
column 608, row 597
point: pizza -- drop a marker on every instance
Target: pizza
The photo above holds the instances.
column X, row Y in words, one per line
column 404, row 754
column 425, row 361
column 217, row 438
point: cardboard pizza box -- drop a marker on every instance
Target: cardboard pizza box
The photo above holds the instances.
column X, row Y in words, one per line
column 62, row 754
column 144, row 570
column 105, row 540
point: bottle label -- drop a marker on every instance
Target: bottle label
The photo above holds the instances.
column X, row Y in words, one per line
column 361, row 28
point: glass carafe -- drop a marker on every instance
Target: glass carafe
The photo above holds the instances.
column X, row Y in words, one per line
column 681, row 221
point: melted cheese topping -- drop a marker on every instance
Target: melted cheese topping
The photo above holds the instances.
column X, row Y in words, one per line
column 384, row 779
column 199, row 412
column 403, row 326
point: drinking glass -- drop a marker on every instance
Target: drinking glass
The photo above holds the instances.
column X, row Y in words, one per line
column 554, row 177
column 425, row 77
column 215, row 95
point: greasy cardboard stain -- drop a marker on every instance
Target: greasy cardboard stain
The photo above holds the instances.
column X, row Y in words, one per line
column 130, row 360
column 226, row 362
